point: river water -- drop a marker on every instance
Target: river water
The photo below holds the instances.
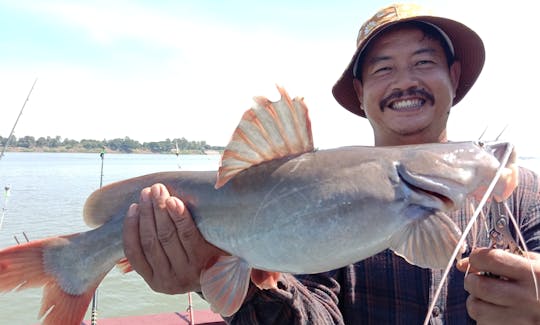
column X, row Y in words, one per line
column 46, row 197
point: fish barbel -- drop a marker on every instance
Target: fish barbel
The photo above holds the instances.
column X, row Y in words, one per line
column 277, row 205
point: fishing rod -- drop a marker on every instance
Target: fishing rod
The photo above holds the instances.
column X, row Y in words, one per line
column 177, row 152
column 190, row 309
column 7, row 189
column 93, row 319
column 17, row 120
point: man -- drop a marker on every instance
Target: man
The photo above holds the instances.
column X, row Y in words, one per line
column 409, row 69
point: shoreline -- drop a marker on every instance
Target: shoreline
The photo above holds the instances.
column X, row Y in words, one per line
column 109, row 151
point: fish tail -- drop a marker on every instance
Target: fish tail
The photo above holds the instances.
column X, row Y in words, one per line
column 59, row 307
column 23, row 267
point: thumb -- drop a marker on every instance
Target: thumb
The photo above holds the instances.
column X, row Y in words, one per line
column 464, row 266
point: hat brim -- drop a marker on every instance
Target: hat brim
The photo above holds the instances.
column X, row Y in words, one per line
column 468, row 47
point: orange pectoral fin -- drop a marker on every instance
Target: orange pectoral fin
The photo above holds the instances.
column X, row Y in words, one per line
column 265, row 279
column 224, row 284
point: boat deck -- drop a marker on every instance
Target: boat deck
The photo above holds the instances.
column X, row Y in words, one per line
column 202, row 317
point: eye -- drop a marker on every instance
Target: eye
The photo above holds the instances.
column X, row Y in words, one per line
column 424, row 62
column 383, row 69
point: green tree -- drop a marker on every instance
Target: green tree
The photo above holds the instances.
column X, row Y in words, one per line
column 26, row 142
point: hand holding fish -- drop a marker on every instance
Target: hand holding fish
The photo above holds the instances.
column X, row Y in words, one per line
column 507, row 299
column 163, row 244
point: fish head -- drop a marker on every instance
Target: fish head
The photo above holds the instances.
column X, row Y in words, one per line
column 506, row 155
column 451, row 172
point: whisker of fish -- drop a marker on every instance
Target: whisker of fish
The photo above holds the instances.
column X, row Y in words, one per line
column 465, row 233
column 501, row 133
column 524, row 247
column 483, row 133
column 498, row 136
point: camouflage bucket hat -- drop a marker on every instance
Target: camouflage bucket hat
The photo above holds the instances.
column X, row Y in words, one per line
column 467, row 46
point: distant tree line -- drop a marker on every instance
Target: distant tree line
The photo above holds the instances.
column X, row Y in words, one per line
column 126, row 144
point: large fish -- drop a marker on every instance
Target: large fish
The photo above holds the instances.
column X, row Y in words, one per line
column 276, row 205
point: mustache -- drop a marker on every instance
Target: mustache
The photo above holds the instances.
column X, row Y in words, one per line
column 403, row 93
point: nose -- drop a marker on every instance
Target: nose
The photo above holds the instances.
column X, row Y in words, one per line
column 404, row 79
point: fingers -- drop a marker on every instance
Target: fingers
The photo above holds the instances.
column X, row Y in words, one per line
column 163, row 244
column 198, row 250
column 132, row 247
column 494, row 290
column 511, row 292
column 502, row 263
column 151, row 207
column 147, row 227
column 486, row 313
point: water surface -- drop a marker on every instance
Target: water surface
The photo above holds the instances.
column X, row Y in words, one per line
column 46, row 197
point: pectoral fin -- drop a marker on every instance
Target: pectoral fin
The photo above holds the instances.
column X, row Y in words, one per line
column 427, row 242
column 225, row 284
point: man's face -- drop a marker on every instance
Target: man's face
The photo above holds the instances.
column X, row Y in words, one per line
column 406, row 87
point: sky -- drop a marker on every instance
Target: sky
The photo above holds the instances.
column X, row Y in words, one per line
column 153, row 70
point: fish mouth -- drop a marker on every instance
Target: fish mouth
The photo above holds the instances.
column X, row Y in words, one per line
column 499, row 150
column 505, row 153
column 445, row 197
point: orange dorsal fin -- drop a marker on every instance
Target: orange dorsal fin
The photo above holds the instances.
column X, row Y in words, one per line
column 267, row 131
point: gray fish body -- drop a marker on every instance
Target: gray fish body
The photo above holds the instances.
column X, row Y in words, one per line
column 317, row 211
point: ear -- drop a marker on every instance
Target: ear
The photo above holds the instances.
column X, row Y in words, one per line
column 455, row 74
column 357, row 84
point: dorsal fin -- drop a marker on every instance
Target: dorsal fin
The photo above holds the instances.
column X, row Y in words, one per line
column 267, row 131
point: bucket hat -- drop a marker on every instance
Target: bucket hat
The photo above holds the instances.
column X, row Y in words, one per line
column 467, row 46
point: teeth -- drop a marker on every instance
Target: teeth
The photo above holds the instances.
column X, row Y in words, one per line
column 407, row 104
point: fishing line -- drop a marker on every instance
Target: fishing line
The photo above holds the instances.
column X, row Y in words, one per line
column 479, row 208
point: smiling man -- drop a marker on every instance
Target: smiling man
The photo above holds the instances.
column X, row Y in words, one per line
column 397, row 79
column 410, row 68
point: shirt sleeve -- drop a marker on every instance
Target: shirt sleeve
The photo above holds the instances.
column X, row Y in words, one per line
column 306, row 299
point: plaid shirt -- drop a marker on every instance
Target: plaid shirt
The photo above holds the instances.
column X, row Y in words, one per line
column 383, row 289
